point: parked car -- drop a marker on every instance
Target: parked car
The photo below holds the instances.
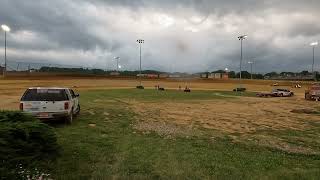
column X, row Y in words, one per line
column 282, row 93
column 239, row 89
column 51, row 103
column 313, row 92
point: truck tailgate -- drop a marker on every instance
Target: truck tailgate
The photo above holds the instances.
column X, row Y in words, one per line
column 43, row 106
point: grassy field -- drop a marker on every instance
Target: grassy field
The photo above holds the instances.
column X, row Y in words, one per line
column 12, row 89
column 103, row 142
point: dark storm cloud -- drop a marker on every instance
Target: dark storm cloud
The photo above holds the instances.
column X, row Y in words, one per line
column 51, row 19
column 217, row 6
column 181, row 35
column 308, row 29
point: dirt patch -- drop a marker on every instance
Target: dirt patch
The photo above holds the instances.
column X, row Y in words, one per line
column 244, row 115
column 9, row 102
column 243, row 119
column 278, row 143
column 167, row 130
column 92, row 125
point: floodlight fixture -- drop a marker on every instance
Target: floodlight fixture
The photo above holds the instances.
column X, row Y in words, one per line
column 5, row 28
column 242, row 37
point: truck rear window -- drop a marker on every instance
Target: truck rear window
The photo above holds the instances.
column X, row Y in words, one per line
column 45, row 95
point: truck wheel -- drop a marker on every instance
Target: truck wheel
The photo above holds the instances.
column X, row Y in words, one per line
column 69, row 119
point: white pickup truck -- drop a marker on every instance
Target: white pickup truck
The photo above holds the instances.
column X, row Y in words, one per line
column 50, row 103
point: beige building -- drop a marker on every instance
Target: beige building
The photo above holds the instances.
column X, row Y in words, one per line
column 218, row 76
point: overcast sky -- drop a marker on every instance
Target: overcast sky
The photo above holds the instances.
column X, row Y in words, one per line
column 180, row 35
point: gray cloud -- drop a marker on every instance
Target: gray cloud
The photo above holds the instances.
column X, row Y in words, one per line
column 189, row 35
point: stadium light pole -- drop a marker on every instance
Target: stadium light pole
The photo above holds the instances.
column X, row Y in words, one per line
column 6, row 29
column 117, row 59
column 313, row 45
column 226, row 70
column 241, row 38
column 140, row 42
column 251, row 63
column 106, row 70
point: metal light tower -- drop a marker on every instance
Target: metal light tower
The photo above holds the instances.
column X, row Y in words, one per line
column 241, row 38
column 117, row 60
column 106, row 70
column 6, row 29
column 251, row 63
column 314, row 44
column 140, row 42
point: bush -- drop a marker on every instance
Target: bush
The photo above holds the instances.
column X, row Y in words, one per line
column 25, row 143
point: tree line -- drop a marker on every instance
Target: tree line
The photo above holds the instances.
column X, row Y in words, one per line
column 232, row 74
column 94, row 71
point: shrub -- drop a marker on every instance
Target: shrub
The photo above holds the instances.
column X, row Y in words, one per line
column 25, row 143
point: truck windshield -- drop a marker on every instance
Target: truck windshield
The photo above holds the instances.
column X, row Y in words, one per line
column 45, row 95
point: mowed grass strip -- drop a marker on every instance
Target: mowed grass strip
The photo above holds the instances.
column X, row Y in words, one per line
column 102, row 144
column 175, row 95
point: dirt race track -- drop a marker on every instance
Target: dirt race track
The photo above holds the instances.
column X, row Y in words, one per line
column 12, row 89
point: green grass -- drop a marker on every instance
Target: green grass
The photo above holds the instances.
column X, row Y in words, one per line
column 308, row 138
column 174, row 95
column 113, row 149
